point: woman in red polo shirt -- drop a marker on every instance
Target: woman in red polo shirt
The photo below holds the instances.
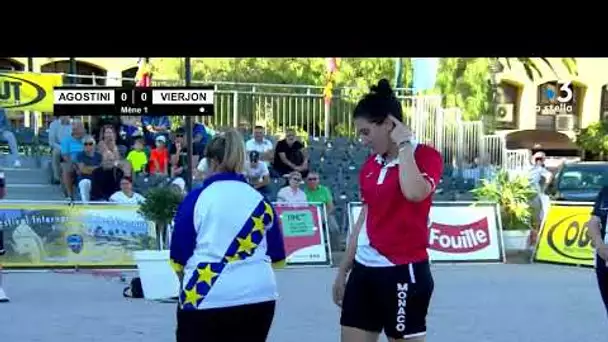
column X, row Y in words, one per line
column 389, row 283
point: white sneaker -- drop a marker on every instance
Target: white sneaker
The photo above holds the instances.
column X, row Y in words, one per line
column 3, row 297
column 17, row 163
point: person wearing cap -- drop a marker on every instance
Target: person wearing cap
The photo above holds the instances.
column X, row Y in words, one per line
column 539, row 178
column 159, row 157
column 257, row 173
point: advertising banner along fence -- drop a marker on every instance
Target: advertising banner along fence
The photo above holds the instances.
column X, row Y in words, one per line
column 459, row 231
column 28, row 91
column 40, row 235
column 563, row 237
column 303, row 234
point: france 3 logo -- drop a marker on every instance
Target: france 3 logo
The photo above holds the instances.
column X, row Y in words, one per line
column 557, row 99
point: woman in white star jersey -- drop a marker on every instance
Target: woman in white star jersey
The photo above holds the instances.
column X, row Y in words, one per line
column 226, row 236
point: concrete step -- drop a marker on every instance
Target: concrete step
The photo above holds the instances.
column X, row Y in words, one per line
column 34, row 192
column 25, row 175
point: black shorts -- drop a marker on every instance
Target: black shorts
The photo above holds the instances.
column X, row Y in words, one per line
column 232, row 324
column 394, row 299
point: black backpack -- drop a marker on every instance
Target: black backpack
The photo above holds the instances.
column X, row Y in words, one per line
column 134, row 290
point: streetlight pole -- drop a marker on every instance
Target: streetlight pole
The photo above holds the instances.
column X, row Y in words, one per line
column 189, row 138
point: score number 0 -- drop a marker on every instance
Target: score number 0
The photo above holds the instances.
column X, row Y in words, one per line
column 142, row 95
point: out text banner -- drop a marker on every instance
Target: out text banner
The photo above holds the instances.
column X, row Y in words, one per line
column 28, row 91
column 563, row 237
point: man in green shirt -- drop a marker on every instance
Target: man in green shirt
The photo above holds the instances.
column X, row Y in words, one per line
column 317, row 193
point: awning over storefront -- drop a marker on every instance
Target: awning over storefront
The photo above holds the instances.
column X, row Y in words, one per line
column 539, row 140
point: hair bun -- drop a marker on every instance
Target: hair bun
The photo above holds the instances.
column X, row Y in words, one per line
column 383, row 88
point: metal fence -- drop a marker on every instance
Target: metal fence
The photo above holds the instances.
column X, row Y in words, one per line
column 278, row 106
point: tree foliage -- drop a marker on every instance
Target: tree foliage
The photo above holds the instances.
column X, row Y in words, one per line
column 464, row 83
column 594, row 139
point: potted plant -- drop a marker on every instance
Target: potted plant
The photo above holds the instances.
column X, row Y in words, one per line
column 156, row 275
column 513, row 195
column 160, row 207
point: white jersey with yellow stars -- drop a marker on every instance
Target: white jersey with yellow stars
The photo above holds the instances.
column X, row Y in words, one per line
column 226, row 235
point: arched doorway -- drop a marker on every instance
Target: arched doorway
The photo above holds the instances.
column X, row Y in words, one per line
column 89, row 74
column 559, row 105
column 11, row 64
column 509, row 96
column 129, row 74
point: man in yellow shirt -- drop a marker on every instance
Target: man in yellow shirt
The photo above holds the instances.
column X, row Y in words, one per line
column 137, row 157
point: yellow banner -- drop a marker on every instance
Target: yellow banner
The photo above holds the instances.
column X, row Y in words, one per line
column 43, row 235
column 563, row 238
column 28, row 91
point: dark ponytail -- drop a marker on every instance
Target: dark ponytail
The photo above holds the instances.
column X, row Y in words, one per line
column 378, row 104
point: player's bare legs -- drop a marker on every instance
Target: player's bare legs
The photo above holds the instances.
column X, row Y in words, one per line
column 350, row 334
column 3, row 297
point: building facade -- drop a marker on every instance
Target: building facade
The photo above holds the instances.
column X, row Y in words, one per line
column 556, row 101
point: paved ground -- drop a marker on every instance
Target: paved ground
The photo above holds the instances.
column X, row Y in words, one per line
column 472, row 303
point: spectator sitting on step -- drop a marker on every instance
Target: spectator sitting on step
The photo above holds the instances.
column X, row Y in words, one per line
column 137, row 156
column 87, row 161
column 107, row 145
column 260, row 144
column 8, row 135
column 292, row 194
column 155, row 126
column 106, row 179
column 290, row 155
column 126, row 195
column 159, row 157
column 257, row 173
column 59, row 129
column 320, row 194
column 71, row 146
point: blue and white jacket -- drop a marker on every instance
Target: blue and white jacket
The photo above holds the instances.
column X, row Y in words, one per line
column 225, row 238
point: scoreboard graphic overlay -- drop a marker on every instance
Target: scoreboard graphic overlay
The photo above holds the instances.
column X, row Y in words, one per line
column 133, row 101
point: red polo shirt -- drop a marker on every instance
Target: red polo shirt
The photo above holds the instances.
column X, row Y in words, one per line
column 396, row 229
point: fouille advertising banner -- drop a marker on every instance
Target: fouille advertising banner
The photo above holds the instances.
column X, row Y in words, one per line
column 50, row 235
column 459, row 232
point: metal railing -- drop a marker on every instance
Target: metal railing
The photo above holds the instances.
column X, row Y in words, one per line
column 278, row 106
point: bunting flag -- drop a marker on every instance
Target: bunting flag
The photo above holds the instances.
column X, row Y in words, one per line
column 143, row 78
column 332, row 69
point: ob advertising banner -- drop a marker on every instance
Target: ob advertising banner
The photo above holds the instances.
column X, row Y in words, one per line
column 28, row 90
column 563, row 237
column 460, row 231
column 303, row 233
column 55, row 235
